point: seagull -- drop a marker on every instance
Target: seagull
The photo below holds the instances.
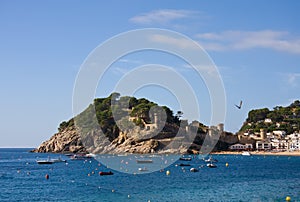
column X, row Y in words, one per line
column 239, row 106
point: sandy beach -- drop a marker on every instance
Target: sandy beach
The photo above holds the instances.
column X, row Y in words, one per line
column 285, row 153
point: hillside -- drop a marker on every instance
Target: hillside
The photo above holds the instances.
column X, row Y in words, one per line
column 126, row 124
column 280, row 118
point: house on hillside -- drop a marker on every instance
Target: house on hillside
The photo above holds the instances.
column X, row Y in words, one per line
column 263, row 145
column 241, row 147
column 294, row 141
column 279, row 133
column 268, row 121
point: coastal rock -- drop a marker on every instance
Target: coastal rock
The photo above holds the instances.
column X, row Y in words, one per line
column 143, row 128
column 67, row 140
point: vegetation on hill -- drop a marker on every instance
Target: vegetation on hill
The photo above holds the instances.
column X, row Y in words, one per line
column 280, row 118
column 118, row 117
column 115, row 108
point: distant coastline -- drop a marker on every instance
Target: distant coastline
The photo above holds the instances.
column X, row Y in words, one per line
column 258, row 153
column 261, row 153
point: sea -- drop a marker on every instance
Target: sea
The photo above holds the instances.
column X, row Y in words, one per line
column 236, row 178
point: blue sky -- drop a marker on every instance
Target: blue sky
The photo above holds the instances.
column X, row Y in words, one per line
column 254, row 44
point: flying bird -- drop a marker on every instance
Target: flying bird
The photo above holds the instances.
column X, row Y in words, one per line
column 239, row 106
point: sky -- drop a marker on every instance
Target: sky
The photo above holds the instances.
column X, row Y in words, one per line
column 255, row 46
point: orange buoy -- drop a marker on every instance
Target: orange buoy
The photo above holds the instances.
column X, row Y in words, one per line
column 47, row 177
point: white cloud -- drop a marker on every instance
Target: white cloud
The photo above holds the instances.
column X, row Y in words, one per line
column 130, row 61
column 162, row 16
column 178, row 42
column 242, row 40
column 209, row 70
column 119, row 70
column 292, row 78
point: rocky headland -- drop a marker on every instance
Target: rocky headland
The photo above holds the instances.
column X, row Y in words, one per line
column 144, row 127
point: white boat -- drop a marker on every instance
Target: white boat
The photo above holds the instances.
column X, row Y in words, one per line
column 58, row 160
column 144, row 161
column 185, row 158
column 194, row 170
column 50, row 161
column 245, row 153
column 211, row 165
column 90, row 155
column 46, row 161
column 143, row 169
column 80, row 157
column 210, row 160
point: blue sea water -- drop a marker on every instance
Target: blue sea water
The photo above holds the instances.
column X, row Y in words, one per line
column 255, row 178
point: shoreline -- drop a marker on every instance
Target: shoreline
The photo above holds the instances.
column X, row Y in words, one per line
column 261, row 153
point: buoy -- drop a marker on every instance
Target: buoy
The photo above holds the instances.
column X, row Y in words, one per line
column 128, row 196
column 227, row 164
column 168, row 172
column 47, row 177
column 288, row 198
column 112, row 190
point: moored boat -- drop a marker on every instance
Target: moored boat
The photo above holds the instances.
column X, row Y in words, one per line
column 210, row 160
column 50, row 161
column 144, row 161
column 59, row 159
column 143, row 169
column 211, row 165
column 185, row 159
column 46, row 161
column 245, row 153
column 80, row 157
column 184, row 165
column 106, row 173
column 194, row 170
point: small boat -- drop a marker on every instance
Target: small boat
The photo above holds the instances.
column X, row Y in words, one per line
column 211, row 165
column 144, row 161
column 210, row 160
column 121, row 155
column 194, row 170
column 143, row 169
column 80, row 157
column 184, row 165
column 90, row 155
column 105, row 173
column 185, row 159
column 245, row 153
column 58, row 160
column 47, row 161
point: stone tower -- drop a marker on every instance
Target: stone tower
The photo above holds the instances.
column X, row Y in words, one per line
column 221, row 127
column 263, row 134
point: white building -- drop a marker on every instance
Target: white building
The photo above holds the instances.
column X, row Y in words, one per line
column 294, row 141
column 261, row 145
column 280, row 144
column 241, row 147
column 268, row 120
column 279, row 133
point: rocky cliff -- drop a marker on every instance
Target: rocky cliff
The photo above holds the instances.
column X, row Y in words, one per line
column 129, row 125
column 67, row 141
column 134, row 141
